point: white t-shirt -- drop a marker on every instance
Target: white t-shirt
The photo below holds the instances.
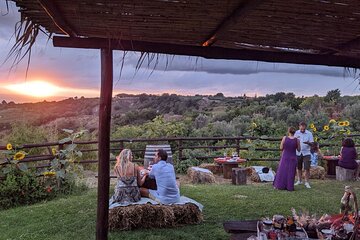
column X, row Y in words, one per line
column 304, row 137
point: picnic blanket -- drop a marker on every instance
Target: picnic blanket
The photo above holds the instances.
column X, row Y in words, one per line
column 183, row 200
column 264, row 177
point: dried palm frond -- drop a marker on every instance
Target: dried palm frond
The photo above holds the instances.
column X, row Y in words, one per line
column 25, row 36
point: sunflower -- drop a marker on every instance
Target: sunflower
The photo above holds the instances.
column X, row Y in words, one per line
column 9, row 146
column 314, row 129
column 326, row 128
column 254, row 125
column 312, row 125
column 53, row 151
column 49, row 174
column 19, row 156
column 341, row 124
column 347, row 123
column 316, row 139
column 332, row 121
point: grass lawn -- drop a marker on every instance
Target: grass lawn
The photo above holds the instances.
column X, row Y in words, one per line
column 74, row 217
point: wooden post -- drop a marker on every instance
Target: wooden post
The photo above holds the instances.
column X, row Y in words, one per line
column 238, row 147
column 180, row 149
column 104, row 144
column 121, row 146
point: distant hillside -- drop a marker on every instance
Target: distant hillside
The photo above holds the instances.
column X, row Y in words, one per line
column 139, row 109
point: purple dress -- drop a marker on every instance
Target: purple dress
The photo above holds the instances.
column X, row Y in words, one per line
column 285, row 174
column 348, row 158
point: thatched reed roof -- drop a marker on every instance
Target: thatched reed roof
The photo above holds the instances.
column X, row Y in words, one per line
column 327, row 31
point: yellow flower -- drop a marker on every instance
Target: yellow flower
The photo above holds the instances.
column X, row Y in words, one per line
column 254, row 125
column 347, row 123
column 49, row 174
column 312, row 125
column 8, row 146
column 316, row 139
column 19, row 156
column 53, row 150
column 332, row 121
column 341, row 124
column 314, row 129
column 326, row 128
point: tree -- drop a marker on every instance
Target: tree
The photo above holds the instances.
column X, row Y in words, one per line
column 332, row 96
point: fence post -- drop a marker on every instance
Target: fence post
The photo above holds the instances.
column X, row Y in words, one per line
column 238, row 147
column 121, row 145
column 180, row 150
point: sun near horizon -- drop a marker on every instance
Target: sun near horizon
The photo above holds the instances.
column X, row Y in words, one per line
column 37, row 88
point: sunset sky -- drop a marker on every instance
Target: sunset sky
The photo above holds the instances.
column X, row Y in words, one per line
column 67, row 73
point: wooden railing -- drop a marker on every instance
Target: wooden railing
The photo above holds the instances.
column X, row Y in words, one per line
column 178, row 145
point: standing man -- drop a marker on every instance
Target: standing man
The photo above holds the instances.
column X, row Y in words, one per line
column 304, row 155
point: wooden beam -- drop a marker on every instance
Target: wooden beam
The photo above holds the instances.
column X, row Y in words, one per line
column 236, row 16
column 53, row 12
column 345, row 47
column 210, row 53
column 104, row 144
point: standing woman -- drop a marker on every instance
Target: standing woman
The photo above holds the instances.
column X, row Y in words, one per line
column 128, row 179
column 285, row 175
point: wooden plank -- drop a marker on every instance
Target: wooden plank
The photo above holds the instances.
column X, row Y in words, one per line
column 235, row 17
column 57, row 17
column 210, row 53
column 104, row 144
column 240, row 226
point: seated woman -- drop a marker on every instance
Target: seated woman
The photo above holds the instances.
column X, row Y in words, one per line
column 167, row 190
column 129, row 179
column 348, row 155
column 315, row 154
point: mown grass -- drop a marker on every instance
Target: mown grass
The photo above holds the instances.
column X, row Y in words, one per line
column 74, row 217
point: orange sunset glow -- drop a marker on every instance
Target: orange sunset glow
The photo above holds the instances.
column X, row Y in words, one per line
column 34, row 89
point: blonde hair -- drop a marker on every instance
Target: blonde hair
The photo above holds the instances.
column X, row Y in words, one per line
column 123, row 161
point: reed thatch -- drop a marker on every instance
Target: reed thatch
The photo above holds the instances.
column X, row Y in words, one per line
column 316, row 27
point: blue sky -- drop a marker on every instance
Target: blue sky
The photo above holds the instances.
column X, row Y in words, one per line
column 80, row 69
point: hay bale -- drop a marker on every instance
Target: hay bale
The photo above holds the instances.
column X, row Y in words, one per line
column 200, row 175
column 213, row 167
column 254, row 176
column 153, row 216
column 316, row 172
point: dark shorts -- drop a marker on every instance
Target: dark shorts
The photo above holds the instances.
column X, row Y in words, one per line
column 303, row 160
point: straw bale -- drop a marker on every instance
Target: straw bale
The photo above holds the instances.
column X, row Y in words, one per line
column 254, row 176
column 213, row 167
column 317, row 172
column 199, row 176
column 153, row 216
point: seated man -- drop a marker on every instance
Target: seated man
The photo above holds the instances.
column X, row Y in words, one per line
column 167, row 190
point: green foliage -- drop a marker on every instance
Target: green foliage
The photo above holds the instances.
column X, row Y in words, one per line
column 64, row 165
column 190, row 160
column 26, row 133
column 21, row 188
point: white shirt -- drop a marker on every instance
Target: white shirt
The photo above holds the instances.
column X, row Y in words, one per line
column 304, row 137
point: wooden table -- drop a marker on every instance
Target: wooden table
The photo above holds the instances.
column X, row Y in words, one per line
column 241, row 229
column 332, row 162
column 228, row 164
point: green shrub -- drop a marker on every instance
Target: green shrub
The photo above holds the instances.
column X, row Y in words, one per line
column 21, row 188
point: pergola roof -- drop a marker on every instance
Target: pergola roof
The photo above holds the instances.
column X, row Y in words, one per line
column 327, row 31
